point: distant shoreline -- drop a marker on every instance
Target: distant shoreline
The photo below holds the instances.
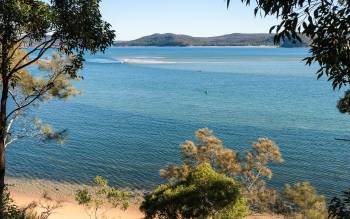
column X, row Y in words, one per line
column 229, row 40
column 247, row 47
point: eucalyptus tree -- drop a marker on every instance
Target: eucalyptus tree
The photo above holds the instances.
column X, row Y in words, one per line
column 251, row 169
column 326, row 23
column 29, row 31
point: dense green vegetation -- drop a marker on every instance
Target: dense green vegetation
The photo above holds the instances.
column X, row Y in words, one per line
column 236, row 39
column 203, row 193
column 302, row 199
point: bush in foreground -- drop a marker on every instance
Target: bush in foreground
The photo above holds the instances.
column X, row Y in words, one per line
column 250, row 169
column 203, row 193
column 42, row 209
column 304, row 202
column 101, row 196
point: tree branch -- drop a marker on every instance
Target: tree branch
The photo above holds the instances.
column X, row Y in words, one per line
column 19, row 42
column 254, row 181
column 9, row 125
column 25, row 105
column 22, row 38
column 44, row 47
column 35, row 97
column 14, row 50
column 8, row 143
column 14, row 98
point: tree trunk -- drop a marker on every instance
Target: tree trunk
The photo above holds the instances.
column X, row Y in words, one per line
column 2, row 142
column 2, row 167
column 3, row 133
column 4, row 70
column 3, row 116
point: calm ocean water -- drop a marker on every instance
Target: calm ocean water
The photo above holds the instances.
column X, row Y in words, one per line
column 139, row 104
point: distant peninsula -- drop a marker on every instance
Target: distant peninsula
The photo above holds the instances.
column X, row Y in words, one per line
column 235, row 39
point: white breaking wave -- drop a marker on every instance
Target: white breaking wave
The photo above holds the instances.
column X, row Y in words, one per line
column 154, row 60
column 101, row 60
column 144, row 61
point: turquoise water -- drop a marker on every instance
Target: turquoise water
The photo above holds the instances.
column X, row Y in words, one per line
column 139, row 104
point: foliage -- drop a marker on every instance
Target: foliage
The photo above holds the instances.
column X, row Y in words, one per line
column 11, row 211
column 202, row 193
column 324, row 22
column 340, row 208
column 100, row 196
column 8, row 208
column 250, row 169
column 237, row 210
column 33, row 89
column 304, row 202
column 344, row 103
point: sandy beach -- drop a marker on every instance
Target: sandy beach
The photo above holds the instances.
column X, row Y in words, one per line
column 71, row 210
column 25, row 191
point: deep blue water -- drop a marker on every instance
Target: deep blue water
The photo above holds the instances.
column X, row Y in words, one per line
column 139, row 104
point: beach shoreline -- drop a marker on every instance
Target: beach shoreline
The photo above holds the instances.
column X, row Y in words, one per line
column 70, row 209
column 251, row 46
column 26, row 191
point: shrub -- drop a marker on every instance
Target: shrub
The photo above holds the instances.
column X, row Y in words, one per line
column 9, row 210
column 201, row 194
column 304, row 202
column 251, row 169
column 100, row 195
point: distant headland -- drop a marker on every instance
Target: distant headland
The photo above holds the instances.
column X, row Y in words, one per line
column 234, row 39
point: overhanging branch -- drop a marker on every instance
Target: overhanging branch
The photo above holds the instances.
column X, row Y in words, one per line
column 41, row 92
column 42, row 48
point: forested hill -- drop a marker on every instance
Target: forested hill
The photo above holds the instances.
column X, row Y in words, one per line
column 235, row 39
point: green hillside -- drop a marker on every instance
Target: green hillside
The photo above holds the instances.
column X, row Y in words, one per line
column 235, row 39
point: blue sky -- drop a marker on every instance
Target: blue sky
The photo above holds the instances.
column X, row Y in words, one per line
column 133, row 19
